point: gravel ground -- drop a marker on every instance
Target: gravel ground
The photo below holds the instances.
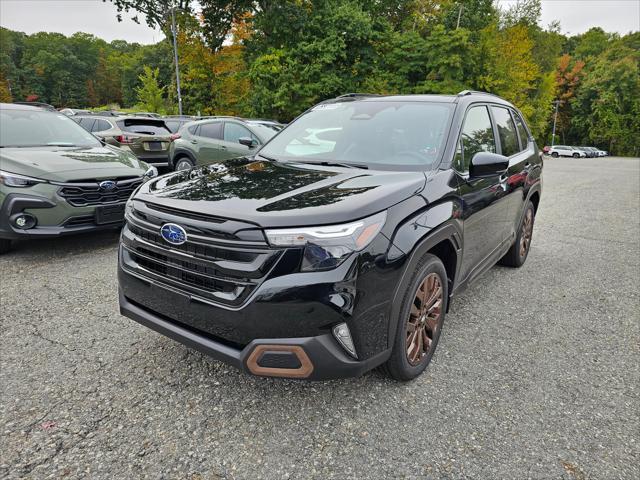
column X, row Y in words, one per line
column 536, row 375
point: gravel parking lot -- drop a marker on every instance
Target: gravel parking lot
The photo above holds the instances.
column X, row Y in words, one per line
column 537, row 374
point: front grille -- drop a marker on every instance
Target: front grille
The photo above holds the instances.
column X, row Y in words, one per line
column 204, row 267
column 80, row 221
column 89, row 192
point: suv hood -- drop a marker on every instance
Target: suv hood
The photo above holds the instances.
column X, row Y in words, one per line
column 63, row 164
column 278, row 194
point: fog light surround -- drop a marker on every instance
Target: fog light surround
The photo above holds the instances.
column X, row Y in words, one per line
column 23, row 221
column 343, row 335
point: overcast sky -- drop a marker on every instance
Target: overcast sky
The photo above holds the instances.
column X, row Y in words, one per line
column 98, row 18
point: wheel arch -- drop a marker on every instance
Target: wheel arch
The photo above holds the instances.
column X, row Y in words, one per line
column 182, row 152
column 444, row 242
column 535, row 199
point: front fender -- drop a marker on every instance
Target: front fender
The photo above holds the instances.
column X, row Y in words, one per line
column 418, row 235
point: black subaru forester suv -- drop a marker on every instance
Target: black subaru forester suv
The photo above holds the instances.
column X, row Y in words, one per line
column 339, row 245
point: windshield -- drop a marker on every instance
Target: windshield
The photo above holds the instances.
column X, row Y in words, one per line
column 379, row 134
column 37, row 128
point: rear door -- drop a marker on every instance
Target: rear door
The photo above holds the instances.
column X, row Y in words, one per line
column 208, row 142
column 518, row 146
column 483, row 199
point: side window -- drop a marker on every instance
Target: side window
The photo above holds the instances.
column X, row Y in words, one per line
column 233, row 132
column 100, row 126
column 211, row 130
column 173, row 125
column 86, row 123
column 506, row 131
column 193, row 129
column 476, row 136
column 522, row 131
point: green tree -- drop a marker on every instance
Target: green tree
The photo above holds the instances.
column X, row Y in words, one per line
column 150, row 93
column 606, row 104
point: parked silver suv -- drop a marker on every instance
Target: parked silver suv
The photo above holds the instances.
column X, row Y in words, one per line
column 566, row 151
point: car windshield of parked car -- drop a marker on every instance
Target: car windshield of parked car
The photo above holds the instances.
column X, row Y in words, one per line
column 39, row 128
column 377, row 134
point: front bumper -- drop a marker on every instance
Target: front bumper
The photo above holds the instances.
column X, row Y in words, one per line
column 74, row 220
column 322, row 358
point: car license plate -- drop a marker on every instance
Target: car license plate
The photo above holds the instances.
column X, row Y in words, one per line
column 110, row 214
column 155, row 146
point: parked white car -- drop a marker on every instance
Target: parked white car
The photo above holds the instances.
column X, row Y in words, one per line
column 566, row 151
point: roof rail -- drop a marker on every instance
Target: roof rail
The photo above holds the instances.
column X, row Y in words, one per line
column 356, row 95
column 464, row 93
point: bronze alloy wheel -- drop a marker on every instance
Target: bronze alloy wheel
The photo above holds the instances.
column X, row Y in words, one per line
column 424, row 318
column 527, row 231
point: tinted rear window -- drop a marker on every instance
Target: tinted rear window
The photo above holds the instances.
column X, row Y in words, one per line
column 522, row 131
column 144, row 126
column 211, row 130
column 506, row 131
column 100, row 126
column 174, row 125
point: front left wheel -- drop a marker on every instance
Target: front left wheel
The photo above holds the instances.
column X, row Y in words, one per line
column 421, row 319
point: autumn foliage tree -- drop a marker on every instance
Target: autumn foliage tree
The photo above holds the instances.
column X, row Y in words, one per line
column 568, row 77
column 275, row 58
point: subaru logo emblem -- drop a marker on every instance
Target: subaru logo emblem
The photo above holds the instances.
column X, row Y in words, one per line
column 107, row 185
column 173, row 233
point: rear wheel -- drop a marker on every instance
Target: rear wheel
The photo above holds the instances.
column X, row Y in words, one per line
column 421, row 319
column 5, row 245
column 576, row 155
column 554, row 154
column 519, row 251
column 183, row 163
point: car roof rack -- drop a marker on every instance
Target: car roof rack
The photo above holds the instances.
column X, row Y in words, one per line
column 357, row 95
column 464, row 93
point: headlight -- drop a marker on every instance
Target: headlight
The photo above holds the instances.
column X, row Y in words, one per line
column 327, row 247
column 20, row 181
column 151, row 172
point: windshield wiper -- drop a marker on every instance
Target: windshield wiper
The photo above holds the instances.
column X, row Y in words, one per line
column 61, row 144
column 340, row 164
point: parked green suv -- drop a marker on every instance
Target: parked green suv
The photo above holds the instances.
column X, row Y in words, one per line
column 217, row 139
column 57, row 179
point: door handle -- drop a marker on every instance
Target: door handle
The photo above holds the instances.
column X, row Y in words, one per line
column 222, row 147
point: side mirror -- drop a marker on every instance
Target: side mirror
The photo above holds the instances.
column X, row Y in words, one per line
column 249, row 142
column 486, row 164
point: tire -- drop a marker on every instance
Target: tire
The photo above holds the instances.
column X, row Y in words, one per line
column 5, row 245
column 576, row 155
column 554, row 154
column 519, row 251
column 409, row 358
column 183, row 163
